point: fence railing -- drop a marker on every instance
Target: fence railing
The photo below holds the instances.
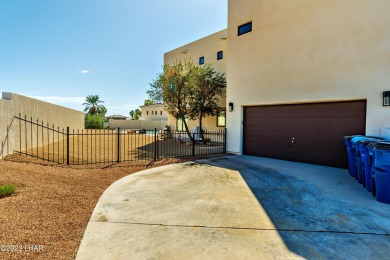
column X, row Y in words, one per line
column 79, row 147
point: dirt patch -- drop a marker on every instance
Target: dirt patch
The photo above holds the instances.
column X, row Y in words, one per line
column 52, row 205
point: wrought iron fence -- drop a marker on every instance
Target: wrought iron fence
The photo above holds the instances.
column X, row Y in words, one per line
column 79, row 147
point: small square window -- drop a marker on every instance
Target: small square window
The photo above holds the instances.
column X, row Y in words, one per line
column 201, row 60
column 220, row 55
column 245, row 28
column 221, row 119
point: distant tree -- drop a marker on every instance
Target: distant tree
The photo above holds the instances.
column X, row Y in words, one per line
column 93, row 105
column 148, row 102
column 209, row 87
column 103, row 111
column 174, row 86
column 135, row 114
column 93, row 121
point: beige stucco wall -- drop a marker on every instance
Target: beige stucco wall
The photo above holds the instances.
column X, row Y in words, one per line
column 206, row 47
column 146, row 113
column 308, row 51
column 209, row 123
column 13, row 104
column 137, row 124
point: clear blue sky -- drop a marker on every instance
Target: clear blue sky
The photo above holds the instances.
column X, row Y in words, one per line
column 63, row 50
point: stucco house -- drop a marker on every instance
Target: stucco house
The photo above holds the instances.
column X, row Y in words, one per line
column 208, row 50
column 154, row 112
column 303, row 74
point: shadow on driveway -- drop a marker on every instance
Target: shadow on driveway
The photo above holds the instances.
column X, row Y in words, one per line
column 319, row 212
column 237, row 207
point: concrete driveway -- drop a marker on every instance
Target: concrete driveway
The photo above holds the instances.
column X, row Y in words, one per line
column 237, row 207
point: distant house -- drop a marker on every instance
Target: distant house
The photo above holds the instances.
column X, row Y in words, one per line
column 154, row 112
column 118, row 117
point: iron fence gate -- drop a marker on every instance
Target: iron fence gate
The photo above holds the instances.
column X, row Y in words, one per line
column 79, row 147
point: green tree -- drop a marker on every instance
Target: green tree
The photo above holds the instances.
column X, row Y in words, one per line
column 209, row 87
column 135, row 114
column 93, row 105
column 93, row 121
column 174, row 85
column 148, row 102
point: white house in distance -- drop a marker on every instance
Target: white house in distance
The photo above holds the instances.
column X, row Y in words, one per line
column 152, row 117
column 118, row 117
column 154, row 112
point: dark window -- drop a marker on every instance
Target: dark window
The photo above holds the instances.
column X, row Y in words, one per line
column 147, row 112
column 201, row 60
column 155, row 113
column 221, row 119
column 160, row 113
column 245, row 28
column 220, row 55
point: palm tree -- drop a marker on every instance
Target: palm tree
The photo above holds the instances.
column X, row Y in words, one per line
column 93, row 105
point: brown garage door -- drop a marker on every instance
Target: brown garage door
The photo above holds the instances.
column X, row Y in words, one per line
column 310, row 133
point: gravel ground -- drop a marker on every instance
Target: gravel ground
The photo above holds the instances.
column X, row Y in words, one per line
column 52, row 205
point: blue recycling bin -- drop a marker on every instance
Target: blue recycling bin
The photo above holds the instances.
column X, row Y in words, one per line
column 371, row 160
column 382, row 171
column 365, row 161
column 196, row 134
column 351, row 154
column 366, row 168
column 357, row 162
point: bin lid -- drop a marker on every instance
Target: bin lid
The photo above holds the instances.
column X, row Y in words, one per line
column 380, row 170
column 349, row 137
column 383, row 145
column 358, row 138
column 369, row 139
column 374, row 144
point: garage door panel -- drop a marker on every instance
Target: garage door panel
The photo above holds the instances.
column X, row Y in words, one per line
column 317, row 129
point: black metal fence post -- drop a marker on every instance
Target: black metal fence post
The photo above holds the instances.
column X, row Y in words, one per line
column 37, row 138
column 119, row 146
column 193, row 144
column 224, row 140
column 67, row 145
column 155, row 144
column 20, row 135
